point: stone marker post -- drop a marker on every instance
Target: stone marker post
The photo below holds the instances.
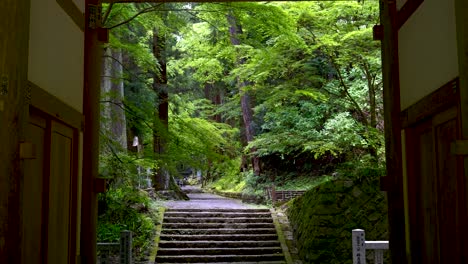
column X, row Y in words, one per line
column 359, row 246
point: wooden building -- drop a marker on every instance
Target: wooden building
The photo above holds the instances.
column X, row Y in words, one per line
column 49, row 119
column 432, row 58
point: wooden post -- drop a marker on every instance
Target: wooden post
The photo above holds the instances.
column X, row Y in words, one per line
column 126, row 247
column 461, row 9
column 273, row 194
column 14, row 52
column 359, row 246
column 393, row 149
column 91, row 111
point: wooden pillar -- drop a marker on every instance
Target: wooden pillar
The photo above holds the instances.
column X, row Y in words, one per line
column 461, row 10
column 91, row 111
column 14, row 43
column 393, row 182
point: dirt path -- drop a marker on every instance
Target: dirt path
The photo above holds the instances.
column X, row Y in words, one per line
column 200, row 200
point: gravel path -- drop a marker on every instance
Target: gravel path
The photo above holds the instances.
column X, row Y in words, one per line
column 200, row 200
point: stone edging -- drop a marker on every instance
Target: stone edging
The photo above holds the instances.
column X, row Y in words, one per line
column 155, row 248
column 246, row 198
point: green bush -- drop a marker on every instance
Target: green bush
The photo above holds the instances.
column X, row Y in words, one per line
column 126, row 208
column 227, row 176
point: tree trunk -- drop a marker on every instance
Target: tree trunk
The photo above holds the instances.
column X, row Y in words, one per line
column 118, row 126
column 214, row 95
column 234, row 31
column 372, row 105
column 217, row 101
column 373, row 115
column 247, row 115
column 112, row 94
column 161, row 117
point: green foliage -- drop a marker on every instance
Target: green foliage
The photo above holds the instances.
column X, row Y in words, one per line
column 304, row 182
column 361, row 169
column 195, row 140
column 309, row 67
column 228, row 177
column 126, row 208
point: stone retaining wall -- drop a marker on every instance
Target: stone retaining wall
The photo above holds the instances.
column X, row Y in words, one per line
column 324, row 217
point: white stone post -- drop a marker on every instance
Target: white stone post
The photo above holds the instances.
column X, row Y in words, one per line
column 378, row 256
column 359, row 246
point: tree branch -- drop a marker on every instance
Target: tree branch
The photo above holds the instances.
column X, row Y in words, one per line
column 109, row 9
column 346, row 90
column 146, row 10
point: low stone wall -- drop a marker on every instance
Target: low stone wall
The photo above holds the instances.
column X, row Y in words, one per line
column 246, row 198
column 324, row 217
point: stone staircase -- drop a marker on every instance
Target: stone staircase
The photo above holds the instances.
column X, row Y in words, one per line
column 219, row 236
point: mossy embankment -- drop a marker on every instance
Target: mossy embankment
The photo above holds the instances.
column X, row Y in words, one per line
column 323, row 218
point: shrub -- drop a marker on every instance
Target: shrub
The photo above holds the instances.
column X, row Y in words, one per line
column 126, row 208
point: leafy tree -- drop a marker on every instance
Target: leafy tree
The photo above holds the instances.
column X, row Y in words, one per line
column 288, row 85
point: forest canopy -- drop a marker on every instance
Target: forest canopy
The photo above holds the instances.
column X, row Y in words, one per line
column 239, row 96
column 265, row 88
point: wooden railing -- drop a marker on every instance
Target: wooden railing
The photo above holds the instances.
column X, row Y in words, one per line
column 124, row 247
column 281, row 196
column 360, row 245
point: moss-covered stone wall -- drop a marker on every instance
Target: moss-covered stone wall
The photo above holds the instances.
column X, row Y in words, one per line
column 323, row 218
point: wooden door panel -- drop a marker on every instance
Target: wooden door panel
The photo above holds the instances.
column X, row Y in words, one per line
column 445, row 134
column 427, row 201
column 61, row 174
column 32, row 192
column 433, row 190
column 422, row 187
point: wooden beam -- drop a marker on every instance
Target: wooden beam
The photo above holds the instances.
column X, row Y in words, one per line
column 53, row 106
column 393, row 149
column 407, row 10
column 74, row 12
column 91, row 111
column 436, row 102
column 461, row 9
column 14, row 41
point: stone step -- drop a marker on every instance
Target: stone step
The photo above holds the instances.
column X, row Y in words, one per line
column 219, row 251
column 260, row 210
column 239, row 262
column 216, row 214
column 218, row 244
column 218, row 220
column 216, row 225
column 219, row 237
column 214, row 231
column 218, row 258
